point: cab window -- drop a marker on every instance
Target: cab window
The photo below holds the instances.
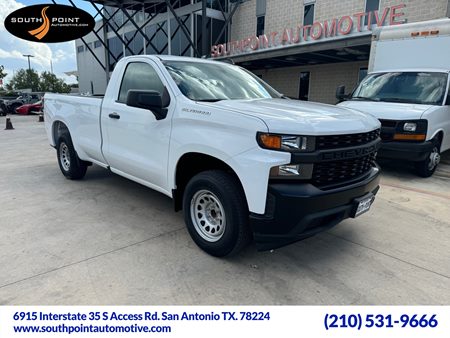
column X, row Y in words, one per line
column 140, row 76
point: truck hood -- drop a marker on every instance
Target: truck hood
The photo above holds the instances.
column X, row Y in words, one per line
column 388, row 110
column 303, row 118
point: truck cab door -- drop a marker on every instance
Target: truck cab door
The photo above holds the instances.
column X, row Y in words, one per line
column 135, row 143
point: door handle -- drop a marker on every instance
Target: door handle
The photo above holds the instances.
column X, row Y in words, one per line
column 114, row 116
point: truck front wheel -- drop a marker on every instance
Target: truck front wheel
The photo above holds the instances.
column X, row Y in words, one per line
column 71, row 166
column 427, row 167
column 216, row 213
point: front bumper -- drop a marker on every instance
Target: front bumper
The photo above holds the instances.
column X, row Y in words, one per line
column 405, row 151
column 296, row 211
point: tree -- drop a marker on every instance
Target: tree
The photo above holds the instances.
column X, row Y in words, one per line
column 2, row 74
column 46, row 82
column 49, row 82
column 24, row 79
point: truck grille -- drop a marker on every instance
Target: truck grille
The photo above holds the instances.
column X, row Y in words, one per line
column 335, row 172
column 344, row 141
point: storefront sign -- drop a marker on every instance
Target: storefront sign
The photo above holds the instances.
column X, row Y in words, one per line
column 345, row 25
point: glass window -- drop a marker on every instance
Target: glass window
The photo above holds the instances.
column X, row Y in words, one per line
column 303, row 90
column 80, row 49
column 139, row 75
column 97, row 43
column 260, row 16
column 135, row 43
column 308, row 15
column 217, row 81
column 260, row 7
column 404, row 87
column 371, row 5
column 116, row 48
column 260, row 25
column 362, row 74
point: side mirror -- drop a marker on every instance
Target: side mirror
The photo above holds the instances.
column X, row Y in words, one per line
column 147, row 99
column 340, row 93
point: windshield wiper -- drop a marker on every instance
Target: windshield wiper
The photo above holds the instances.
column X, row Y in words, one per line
column 364, row 98
column 210, row 100
column 398, row 100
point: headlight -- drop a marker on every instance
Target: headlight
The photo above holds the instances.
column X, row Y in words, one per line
column 291, row 143
column 410, row 126
column 413, row 131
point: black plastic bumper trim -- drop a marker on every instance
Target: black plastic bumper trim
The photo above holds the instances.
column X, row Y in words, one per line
column 405, row 150
column 297, row 211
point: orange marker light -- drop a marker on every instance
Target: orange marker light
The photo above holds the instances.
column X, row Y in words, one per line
column 271, row 141
column 409, row 137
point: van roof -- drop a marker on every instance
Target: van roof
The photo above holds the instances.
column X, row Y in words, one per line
column 395, row 32
column 423, row 70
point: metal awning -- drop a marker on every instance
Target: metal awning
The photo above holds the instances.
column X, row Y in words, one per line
column 335, row 51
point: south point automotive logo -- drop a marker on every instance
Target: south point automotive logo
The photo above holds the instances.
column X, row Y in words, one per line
column 49, row 23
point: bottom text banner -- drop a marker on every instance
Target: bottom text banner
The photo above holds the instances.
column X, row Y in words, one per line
column 225, row 321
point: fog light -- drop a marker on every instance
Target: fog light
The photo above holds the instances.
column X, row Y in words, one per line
column 289, row 170
column 294, row 171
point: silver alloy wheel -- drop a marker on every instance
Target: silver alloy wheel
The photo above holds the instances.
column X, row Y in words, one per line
column 208, row 215
column 435, row 158
column 64, row 156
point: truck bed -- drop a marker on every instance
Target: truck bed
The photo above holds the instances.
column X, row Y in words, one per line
column 82, row 113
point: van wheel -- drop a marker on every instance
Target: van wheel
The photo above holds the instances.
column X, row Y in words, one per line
column 216, row 213
column 427, row 167
column 70, row 164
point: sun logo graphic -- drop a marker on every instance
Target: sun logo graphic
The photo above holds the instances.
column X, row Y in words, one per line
column 42, row 30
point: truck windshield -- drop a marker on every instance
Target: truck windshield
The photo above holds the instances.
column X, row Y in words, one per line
column 404, row 87
column 212, row 82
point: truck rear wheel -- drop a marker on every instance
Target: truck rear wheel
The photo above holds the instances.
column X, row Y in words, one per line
column 427, row 167
column 70, row 164
column 216, row 213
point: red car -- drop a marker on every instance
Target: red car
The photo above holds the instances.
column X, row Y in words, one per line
column 28, row 108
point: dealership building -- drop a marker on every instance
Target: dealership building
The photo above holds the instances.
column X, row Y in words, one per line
column 303, row 48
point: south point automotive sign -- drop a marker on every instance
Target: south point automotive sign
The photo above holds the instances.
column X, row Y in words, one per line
column 343, row 26
column 49, row 23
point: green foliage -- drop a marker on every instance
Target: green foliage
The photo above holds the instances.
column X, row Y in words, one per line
column 46, row 82
column 50, row 83
column 24, row 79
column 2, row 73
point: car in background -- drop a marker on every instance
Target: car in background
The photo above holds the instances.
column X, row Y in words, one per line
column 29, row 108
column 25, row 98
column 3, row 108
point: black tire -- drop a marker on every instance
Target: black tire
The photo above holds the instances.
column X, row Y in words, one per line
column 427, row 167
column 13, row 108
column 70, row 164
column 227, row 190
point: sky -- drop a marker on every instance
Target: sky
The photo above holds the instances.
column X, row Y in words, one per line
column 12, row 48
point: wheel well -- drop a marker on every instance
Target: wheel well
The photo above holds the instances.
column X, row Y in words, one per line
column 190, row 165
column 58, row 129
column 440, row 136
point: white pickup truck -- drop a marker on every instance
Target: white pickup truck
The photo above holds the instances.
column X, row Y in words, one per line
column 239, row 158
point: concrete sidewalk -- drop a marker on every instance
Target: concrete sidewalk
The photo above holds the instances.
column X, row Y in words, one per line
column 107, row 240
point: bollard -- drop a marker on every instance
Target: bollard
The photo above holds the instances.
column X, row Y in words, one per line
column 9, row 125
column 41, row 118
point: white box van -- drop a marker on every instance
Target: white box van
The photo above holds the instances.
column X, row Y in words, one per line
column 407, row 89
